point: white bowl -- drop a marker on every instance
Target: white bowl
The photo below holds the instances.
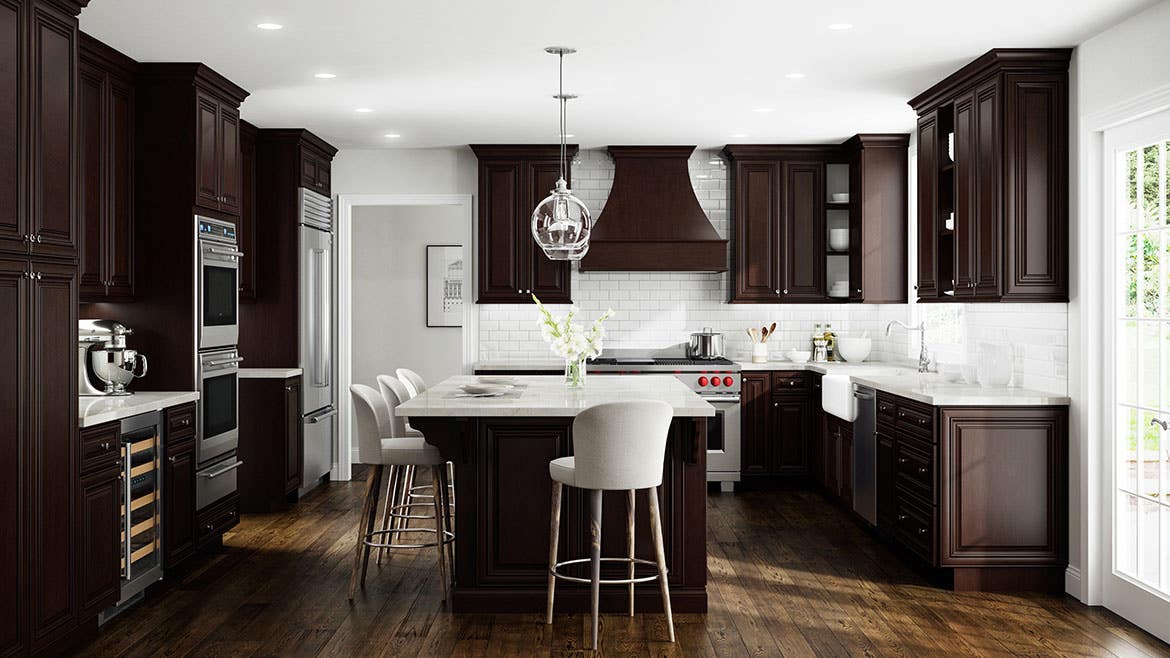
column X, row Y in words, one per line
column 798, row 356
column 840, row 197
column 839, row 239
column 485, row 389
column 496, row 379
column 854, row 350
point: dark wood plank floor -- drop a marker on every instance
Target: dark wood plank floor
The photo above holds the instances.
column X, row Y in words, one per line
column 789, row 575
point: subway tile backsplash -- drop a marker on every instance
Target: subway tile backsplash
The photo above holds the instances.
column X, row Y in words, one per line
column 658, row 309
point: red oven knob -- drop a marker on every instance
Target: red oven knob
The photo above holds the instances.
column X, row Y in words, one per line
column 715, row 381
column 727, row 381
column 702, row 381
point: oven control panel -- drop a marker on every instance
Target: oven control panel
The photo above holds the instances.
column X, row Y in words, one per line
column 712, row 382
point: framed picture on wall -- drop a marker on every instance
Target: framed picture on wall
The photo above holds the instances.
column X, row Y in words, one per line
column 445, row 281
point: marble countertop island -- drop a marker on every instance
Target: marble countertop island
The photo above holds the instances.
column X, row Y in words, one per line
column 547, row 396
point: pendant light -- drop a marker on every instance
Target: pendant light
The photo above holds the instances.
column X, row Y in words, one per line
column 561, row 223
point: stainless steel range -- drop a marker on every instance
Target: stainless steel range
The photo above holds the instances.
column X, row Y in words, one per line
column 715, row 380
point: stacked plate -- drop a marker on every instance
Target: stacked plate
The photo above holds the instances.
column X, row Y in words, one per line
column 489, row 386
column 839, row 289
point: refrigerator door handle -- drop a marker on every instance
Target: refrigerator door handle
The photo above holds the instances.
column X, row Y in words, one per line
column 319, row 317
column 320, row 416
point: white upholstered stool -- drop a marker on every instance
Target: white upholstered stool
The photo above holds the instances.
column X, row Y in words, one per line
column 383, row 442
column 617, row 446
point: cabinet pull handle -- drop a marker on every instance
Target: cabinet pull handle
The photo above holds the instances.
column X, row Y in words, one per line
column 922, row 531
column 922, row 470
column 37, row 276
column 786, row 291
column 901, row 517
column 171, row 459
column 902, row 460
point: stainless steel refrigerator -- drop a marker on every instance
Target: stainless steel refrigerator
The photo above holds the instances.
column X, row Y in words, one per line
column 318, row 323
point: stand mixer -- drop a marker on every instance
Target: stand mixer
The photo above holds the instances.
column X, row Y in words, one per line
column 105, row 365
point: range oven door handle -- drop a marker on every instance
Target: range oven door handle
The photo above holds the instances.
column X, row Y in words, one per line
column 224, row 362
column 225, row 252
column 218, row 472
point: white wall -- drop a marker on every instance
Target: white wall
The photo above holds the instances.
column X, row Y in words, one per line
column 405, row 171
column 389, row 286
column 1126, row 61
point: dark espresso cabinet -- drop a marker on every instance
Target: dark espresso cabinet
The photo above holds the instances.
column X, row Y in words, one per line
column 271, row 431
column 246, row 226
column 993, row 180
column 106, row 177
column 178, row 485
column 776, row 428
column 513, row 179
column 978, row 493
column 99, row 513
column 217, row 152
column 782, row 210
column 837, row 459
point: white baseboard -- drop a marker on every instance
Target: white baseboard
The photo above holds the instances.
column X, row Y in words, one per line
column 1072, row 583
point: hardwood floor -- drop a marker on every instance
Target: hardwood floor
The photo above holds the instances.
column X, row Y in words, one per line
column 789, row 575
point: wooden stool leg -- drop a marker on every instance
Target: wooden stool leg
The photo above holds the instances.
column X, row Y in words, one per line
column 372, row 518
column 553, row 540
column 391, row 485
column 660, row 556
column 595, row 558
column 439, row 523
column 630, row 544
column 372, row 482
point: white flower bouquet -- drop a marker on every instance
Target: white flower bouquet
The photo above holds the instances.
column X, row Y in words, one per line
column 570, row 342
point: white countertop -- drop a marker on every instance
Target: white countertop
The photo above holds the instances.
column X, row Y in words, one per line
column 270, row 373
column 547, row 395
column 97, row 410
column 904, row 380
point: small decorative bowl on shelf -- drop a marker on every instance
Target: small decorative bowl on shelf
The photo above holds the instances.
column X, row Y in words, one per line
column 839, row 197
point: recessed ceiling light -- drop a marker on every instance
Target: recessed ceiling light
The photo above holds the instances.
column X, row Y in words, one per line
column 762, row 110
column 569, row 135
column 363, row 110
column 794, row 76
column 269, row 26
column 392, row 135
column 738, row 135
column 325, row 76
column 841, row 26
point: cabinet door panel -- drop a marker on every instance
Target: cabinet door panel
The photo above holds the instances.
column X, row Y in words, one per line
column 499, row 194
column 206, row 152
column 14, row 332
column 53, row 133
column 293, row 427
column 13, row 144
column 120, row 234
column 308, row 170
column 886, row 475
column 548, row 280
column 51, row 456
column 91, row 88
column 99, row 514
column 1036, row 196
column 324, row 176
column 755, row 423
column 928, row 286
column 757, row 226
column 803, row 265
column 178, row 503
column 229, row 159
column 514, row 461
column 988, row 212
column 966, row 209
column 791, row 428
column 246, row 226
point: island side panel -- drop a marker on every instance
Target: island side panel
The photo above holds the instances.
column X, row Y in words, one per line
column 503, row 497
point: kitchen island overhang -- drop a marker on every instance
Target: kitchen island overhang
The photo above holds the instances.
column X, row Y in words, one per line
column 501, row 447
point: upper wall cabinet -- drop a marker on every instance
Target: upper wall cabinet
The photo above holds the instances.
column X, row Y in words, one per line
column 192, row 110
column 38, row 127
column 817, row 223
column 993, row 180
column 512, row 268
column 105, row 104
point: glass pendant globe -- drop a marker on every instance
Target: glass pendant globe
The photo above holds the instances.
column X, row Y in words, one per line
column 561, row 225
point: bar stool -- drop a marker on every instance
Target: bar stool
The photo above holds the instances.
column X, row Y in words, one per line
column 382, row 442
column 416, row 385
column 402, row 494
column 616, row 446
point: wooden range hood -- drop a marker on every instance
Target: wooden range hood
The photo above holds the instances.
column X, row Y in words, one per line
column 652, row 220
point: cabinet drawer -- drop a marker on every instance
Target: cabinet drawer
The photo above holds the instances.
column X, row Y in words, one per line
column 785, row 383
column 886, row 408
column 914, row 468
column 100, row 446
column 915, row 526
column 217, row 519
column 915, row 419
column 180, row 420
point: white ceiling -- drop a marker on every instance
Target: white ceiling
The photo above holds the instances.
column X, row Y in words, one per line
column 448, row 72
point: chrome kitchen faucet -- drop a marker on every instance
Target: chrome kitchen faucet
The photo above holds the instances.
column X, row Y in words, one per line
column 923, row 354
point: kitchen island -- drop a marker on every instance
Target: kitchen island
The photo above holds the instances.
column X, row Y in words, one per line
column 501, row 448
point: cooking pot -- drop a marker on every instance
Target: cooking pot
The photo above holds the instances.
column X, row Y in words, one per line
column 705, row 344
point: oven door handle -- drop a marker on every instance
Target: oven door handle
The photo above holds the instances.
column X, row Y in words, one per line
column 224, row 362
column 226, row 469
column 225, row 252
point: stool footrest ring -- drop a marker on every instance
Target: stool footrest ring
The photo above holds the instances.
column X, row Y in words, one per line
column 448, row 537
column 623, row 560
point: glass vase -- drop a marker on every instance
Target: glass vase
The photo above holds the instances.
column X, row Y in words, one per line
column 575, row 372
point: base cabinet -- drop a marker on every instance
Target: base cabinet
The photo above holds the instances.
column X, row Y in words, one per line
column 99, row 513
column 837, row 459
column 271, row 438
column 978, row 493
column 179, row 486
column 778, row 417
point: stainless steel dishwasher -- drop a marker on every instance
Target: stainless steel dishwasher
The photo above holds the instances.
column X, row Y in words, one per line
column 865, row 454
